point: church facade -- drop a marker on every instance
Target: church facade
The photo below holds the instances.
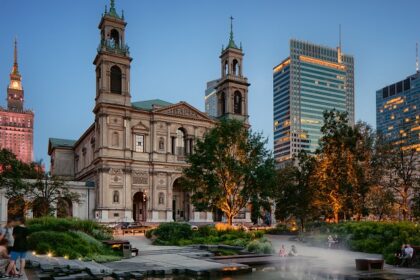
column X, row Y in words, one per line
column 133, row 155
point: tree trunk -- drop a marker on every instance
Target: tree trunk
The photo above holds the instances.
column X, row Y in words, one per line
column 229, row 219
column 336, row 216
column 302, row 227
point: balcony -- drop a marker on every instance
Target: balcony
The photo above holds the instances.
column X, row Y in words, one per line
column 110, row 46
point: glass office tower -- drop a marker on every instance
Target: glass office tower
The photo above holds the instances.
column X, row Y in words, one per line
column 397, row 112
column 311, row 80
column 211, row 98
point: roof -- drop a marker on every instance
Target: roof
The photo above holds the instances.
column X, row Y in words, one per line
column 148, row 104
column 62, row 143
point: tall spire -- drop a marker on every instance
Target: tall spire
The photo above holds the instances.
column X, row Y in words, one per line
column 231, row 41
column 15, row 69
column 112, row 12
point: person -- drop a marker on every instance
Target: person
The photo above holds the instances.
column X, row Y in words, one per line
column 282, row 251
column 400, row 255
column 293, row 252
column 20, row 247
column 408, row 255
column 4, row 257
column 330, row 241
column 6, row 232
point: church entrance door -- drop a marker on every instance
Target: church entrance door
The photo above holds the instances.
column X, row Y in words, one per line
column 180, row 203
column 140, row 207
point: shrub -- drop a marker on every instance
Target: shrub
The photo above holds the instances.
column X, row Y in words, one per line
column 181, row 234
column 373, row 237
column 172, row 233
column 261, row 246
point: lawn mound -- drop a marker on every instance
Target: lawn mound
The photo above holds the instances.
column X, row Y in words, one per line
column 70, row 238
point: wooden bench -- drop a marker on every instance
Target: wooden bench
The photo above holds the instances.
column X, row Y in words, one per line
column 369, row 264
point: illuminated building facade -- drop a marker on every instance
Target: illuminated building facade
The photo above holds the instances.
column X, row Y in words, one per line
column 311, row 80
column 397, row 112
column 16, row 123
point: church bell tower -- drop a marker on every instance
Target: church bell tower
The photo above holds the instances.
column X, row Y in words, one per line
column 112, row 60
column 232, row 89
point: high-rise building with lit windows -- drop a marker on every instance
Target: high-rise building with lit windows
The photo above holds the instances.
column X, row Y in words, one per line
column 310, row 80
column 16, row 122
column 397, row 112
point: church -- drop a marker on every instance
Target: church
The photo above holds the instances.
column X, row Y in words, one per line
column 132, row 156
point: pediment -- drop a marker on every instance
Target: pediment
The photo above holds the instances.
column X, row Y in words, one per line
column 139, row 126
column 183, row 110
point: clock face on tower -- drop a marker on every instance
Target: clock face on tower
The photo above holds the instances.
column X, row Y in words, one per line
column 15, row 85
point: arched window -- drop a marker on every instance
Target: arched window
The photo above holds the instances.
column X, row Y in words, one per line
column 180, row 142
column 116, row 80
column 235, row 67
column 223, row 103
column 237, row 103
column 161, row 198
column 116, row 197
column 226, row 68
column 161, row 144
column 115, row 139
column 115, row 36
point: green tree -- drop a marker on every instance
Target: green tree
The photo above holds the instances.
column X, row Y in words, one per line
column 400, row 171
column 336, row 170
column 298, row 196
column 29, row 181
column 229, row 168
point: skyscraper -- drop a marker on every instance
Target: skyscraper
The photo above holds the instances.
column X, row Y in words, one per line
column 397, row 112
column 311, row 80
column 16, row 123
column 211, row 98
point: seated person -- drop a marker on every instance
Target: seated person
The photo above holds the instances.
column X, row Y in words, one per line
column 408, row 255
column 4, row 256
column 293, row 252
column 282, row 252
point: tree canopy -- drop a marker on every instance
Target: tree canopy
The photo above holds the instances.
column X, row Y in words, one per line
column 230, row 167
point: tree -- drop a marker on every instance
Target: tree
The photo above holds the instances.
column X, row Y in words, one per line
column 380, row 202
column 298, row 196
column 399, row 172
column 336, row 170
column 31, row 184
column 229, row 168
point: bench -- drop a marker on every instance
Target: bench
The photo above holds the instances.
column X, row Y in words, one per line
column 369, row 264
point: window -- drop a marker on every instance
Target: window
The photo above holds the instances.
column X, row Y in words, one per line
column 115, row 142
column 116, row 197
column 180, row 142
column 237, row 103
column 222, row 103
column 161, row 198
column 161, row 143
column 116, row 77
column 115, row 37
column 139, row 143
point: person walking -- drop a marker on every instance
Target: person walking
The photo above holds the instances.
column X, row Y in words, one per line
column 6, row 232
column 20, row 247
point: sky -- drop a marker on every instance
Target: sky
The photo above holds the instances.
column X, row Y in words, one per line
column 175, row 46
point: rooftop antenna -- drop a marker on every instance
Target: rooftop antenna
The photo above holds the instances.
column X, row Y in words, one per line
column 339, row 58
column 417, row 57
column 339, row 35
